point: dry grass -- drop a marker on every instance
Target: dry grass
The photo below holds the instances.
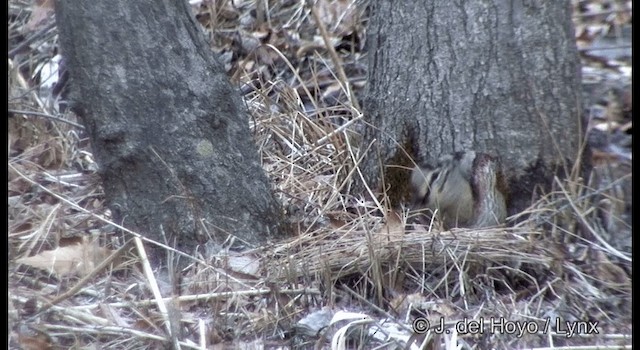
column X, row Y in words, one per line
column 78, row 280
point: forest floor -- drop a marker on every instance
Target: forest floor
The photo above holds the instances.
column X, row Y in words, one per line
column 356, row 275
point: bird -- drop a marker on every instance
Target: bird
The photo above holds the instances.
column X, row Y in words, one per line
column 464, row 189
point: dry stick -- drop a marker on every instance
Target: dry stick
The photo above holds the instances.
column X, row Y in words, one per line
column 206, row 297
column 101, row 330
column 45, row 115
column 615, row 47
column 153, row 285
column 334, row 56
column 357, row 169
column 202, row 332
column 322, row 140
column 347, row 177
column 261, row 13
column 582, row 146
column 600, row 13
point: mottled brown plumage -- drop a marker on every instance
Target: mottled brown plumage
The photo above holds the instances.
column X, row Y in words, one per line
column 464, row 190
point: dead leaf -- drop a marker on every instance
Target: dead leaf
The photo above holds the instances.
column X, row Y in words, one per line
column 247, row 264
column 33, row 339
column 41, row 11
column 394, row 225
column 77, row 259
column 338, row 15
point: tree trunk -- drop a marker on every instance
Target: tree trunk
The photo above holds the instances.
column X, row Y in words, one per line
column 169, row 132
column 500, row 77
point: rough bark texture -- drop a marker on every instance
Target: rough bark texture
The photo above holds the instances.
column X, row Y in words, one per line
column 169, row 132
column 493, row 76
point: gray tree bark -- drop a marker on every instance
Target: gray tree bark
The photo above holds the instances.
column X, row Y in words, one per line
column 169, row 132
column 493, row 76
